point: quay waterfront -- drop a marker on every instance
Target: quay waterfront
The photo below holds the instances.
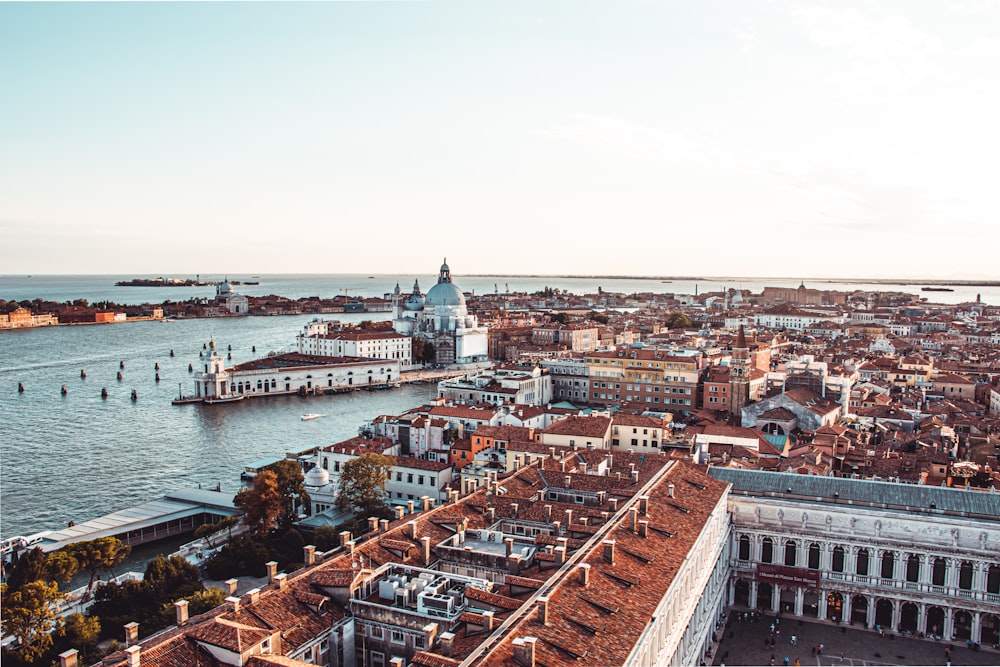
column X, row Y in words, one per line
column 77, row 456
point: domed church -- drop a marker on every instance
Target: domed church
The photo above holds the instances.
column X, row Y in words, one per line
column 441, row 318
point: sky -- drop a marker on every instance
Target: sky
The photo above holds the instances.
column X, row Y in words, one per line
column 634, row 137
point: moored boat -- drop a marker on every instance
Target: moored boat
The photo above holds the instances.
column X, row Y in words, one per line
column 309, row 416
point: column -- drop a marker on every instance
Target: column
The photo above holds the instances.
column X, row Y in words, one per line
column 897, row 613
column 949, row 623
column 799, row 600
column 753, row 593
column 846, row 607
column 775, row 598
column 871, row 611
column 821, row 608
column 978, row 578
column 977, row 627
column 951, row 574
column 922, row 617
column 731, row 592
column 826, row 557
column 851, row 559
column 926, row 569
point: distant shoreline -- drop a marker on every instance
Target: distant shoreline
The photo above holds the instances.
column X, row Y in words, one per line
column 715, row 279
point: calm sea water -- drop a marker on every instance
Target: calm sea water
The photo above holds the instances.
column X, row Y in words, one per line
column 75, row 457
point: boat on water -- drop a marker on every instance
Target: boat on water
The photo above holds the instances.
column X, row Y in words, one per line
column 223, row 399
column 309, row 416
column 936, row 289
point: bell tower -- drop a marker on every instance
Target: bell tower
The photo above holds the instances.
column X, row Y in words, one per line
column 739, row 374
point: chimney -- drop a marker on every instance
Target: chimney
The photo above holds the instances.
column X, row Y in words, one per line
column 281, row 580
column 524, row 651
column 425, row 541
column 569, row 517
column 181, row 609
column 234, row 602
column 557, row 527
column 430, row 632
column 613, row 502
column 272, row 569
column 513, row 510
column 543, row 610
column 552, row 451
column 372, row 524
column 412, row 528
column 383, row 525
column 131, row 633
column 409, row 507
column 252, row 596
column 491, row 514
column 133, row 657
column 602, row 496
column 488, row 615
column 609, row 461
column 562, row 465
column 509, row 544
column 644, row 505
column 670, row 490
column 567, row 482
column 231, row 585
column 644, row 528
column 560, row 555
column 425, row 503
column 345, row 537
column 548, row 514
column 635, row 476
column 633, row 514
column 609, row 551
column 68, row 658
column 447, row 644
column 584, row 571
column 397, row 661
column 583, row 468
column 309, row 554
column 400, row 512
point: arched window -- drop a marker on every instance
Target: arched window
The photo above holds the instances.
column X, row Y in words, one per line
column 838, row 559
column 813, row 556
column 862, row 568
column 791, row 553
column 993, row 579
column 938, row 573
column 767, row 550
column 965, row 576
column 888, row 564
column 744, row 549
column 913, row 568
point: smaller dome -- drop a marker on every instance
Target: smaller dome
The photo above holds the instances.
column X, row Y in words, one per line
column 317, row 477
column 212, row 344
column 414, row 302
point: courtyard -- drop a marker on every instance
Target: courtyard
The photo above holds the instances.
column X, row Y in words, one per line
column 747, row 643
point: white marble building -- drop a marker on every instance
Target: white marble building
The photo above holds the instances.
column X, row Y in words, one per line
column 903, row 557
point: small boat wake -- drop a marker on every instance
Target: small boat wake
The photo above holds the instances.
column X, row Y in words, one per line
column 311, row 416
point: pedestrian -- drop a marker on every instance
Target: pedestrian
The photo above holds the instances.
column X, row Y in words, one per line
column 786, row 661
column 797, row 663
column 795, row 640
column 772, row 627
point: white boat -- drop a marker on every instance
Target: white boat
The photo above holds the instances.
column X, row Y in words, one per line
column 309, row 416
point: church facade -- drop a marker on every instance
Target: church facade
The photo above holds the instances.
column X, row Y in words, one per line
column 440, row 318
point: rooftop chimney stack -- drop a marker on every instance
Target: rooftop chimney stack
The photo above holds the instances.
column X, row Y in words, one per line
column 181, row 609
column 345, row 537
column 253, row 596
column 133, row 656
column 411, row 527
column 272, row 569
column 613, row 502
column 131, row 633
column 281, row 580
column 425, row 542
column 569, row 517
column 430, row 632
column 543, row 610
column 635, row 476
column 513, row 510
column 383, row 525
column 508, row 545
column 231, row 586
column 633, row 514
column 644, row 528
column 491, row 514
column 644, row 505
column 670, row 490
column 425, row 503
column 584, row 570
column 397, row 661
column 447, row 646
column 372, row 524
column 609, row 551
column 234, row 603
column 409, row 507
column 400, row 512
column 488, row 615
column 557, row 527
column 68, row 658
column 309, row 554
column 524, row 651
column 548, row 514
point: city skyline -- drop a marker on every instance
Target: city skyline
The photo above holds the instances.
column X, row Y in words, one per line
column 759, row 139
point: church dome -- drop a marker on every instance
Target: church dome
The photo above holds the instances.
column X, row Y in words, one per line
column 445, row 294
column 317, row 477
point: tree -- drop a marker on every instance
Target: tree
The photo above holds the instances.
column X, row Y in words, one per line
column 429, row 353
column 326, row 537
column 28, row 616
column 30, row 566
column 206, row 530
column 82, row 633
column 678, row 321
column 362, row 483
column 291, row 485
column 101, row 555
column 61, row 565
column 262, row 503
column 171, row 578
column 600, row 318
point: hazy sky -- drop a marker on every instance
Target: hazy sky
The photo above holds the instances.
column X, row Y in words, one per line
column 747, row 137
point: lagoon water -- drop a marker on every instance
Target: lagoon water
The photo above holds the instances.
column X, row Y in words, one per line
column 78, row 456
